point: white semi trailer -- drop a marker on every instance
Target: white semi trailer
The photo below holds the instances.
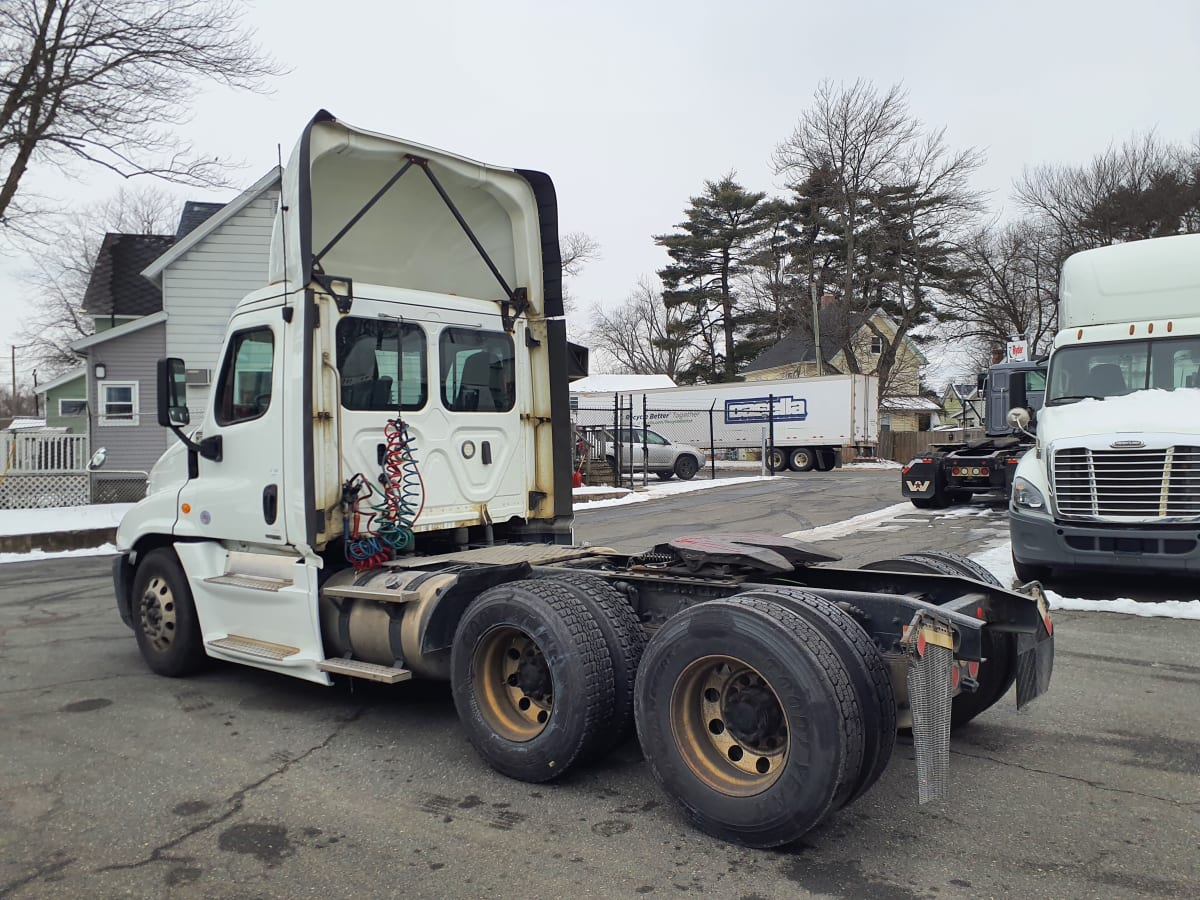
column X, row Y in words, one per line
column 381, row 489
column 1115, row 479
column 809, row 419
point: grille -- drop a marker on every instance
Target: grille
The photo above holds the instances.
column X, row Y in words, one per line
column 1161, row 483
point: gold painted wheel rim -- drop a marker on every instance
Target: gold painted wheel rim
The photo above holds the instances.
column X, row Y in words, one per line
column 157, row 610
column 513, row 684
column 729, row 726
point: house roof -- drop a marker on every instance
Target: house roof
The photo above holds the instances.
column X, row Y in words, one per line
column 116, row 286
column 195, row 213
column 909, row 404
column 190, row 238
column 65, row 378
column 120, row 331
column 797, row 345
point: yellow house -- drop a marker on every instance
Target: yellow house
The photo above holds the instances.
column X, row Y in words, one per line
column 901, row 406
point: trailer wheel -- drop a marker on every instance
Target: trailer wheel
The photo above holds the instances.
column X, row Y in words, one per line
column 998, row 670
column 801, row 459
column 624, row 638
column 776, row 459
column 869, row 673
column 748, row 720
column 164, row 616
column 531, row 678
column 686, row 467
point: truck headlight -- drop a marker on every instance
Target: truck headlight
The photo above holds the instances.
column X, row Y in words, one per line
column 1026, row 495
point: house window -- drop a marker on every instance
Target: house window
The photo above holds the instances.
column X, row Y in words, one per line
column 67, row 408
column 119, row 403
column 876, row 345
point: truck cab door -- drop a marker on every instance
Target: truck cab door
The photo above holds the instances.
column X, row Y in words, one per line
column 238, row 497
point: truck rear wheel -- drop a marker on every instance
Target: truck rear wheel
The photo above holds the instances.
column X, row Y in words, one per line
column 801, row 459
column 164, row 616
column 870, row 675
column 748, row 720
column 998, row 669
column 531, row 678
column 624, row 638
column 776, row 459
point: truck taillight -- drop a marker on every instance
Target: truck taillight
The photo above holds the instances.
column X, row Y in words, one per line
column 984, row 471
column 1012, row 460
column 956, row 471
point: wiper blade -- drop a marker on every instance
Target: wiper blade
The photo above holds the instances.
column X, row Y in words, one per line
column 1076, row 397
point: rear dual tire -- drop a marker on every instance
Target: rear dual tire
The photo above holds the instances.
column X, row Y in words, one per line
column 751, row 719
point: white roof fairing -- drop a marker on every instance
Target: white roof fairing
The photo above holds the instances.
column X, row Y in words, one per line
column 409, row 238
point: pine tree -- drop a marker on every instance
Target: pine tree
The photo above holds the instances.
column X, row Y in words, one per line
column 709, row 252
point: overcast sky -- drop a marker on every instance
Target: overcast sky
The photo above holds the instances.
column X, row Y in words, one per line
column 631, row 106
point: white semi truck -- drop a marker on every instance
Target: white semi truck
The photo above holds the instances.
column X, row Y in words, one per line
column 381, row 489
column 1114, row 482
column 811, row 419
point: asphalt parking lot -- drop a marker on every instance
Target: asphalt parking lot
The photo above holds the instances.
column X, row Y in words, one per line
column 239, row 783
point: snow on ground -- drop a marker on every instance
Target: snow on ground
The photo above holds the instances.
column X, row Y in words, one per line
column 662, row 489
column 850, row 526
column 874, row 464
column 998, row 561
column 65, row 518
column 56, row 554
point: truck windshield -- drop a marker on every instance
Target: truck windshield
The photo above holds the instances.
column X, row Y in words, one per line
column 1116, row 369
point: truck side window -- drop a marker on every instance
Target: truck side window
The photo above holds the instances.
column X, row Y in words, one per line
column 381, row 362
column 244, row 388
column 478, row 370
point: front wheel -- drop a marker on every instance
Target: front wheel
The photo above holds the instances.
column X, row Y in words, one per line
column 686, row 467
column 164, row 616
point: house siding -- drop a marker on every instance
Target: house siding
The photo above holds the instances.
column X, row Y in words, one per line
column 76, row 389
column 132, row 358
column 202, row 287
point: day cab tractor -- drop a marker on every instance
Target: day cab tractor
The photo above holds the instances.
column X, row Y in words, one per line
column 381, row 489
column 953, row 472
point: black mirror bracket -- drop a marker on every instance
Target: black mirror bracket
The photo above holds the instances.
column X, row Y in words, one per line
column 209, row 447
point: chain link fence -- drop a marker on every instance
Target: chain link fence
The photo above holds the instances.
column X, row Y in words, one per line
column 629, row 441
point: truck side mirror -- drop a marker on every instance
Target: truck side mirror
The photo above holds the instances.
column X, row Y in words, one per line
column 1017, row 396
column 172, row 393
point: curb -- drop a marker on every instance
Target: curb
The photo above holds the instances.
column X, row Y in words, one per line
column 57, row 540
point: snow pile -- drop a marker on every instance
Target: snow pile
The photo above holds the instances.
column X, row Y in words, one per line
column 28, row 555
column 849, row 526
column 873, row 464
column 666, row 489
column 998, row 561
column 63, row 518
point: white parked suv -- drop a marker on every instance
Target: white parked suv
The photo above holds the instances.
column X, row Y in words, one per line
column 663, row 457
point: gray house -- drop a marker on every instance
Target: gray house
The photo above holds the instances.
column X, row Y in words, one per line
column 165, row 295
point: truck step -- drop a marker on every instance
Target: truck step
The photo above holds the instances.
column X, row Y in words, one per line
column 351, row 592
column 253, row 582
column 356, row 668
column 245, row 646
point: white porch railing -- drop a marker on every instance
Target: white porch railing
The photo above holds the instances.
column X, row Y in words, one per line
column 43, row 469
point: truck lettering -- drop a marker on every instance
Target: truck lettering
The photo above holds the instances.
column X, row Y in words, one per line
column 758, row 409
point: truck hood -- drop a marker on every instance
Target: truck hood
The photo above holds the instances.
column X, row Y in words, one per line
column 410, row 237
column 1142, row 412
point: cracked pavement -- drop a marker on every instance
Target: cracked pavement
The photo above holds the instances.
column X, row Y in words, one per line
column 237, row 783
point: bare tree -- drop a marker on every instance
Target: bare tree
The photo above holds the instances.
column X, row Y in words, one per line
column 638, row 335
column 577, row 248
column 1143, row 188
column 858, row 136
column 1014, row 290
column 105, row 83
column 61, row 271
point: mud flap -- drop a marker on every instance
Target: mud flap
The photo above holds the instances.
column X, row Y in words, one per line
column 930, row 692
column 920, row 479
column 1035, row 652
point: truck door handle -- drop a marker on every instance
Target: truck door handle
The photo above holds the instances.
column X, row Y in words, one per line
column 270, row 503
